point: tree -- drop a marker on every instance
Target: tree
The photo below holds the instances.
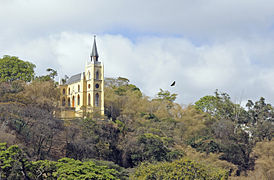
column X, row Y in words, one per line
column 97, row 139
column 118, row 92
column 230, row 133
column 116, row 82
column 260, row 119
column 263, row 152
column 74, row 169
column 220, row 106
column 50, row 77
column 27, row 111
column 166, row 95
column 13, row 163
column 207, row 104
column 12, row 68
column 179, row 169
column 151, row 148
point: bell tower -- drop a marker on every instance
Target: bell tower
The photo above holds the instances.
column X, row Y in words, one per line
column 94, row 73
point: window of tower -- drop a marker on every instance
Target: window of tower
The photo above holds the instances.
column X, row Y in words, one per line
column 64, row 91
column 78, row 100
column 97, row 100
column 68, row 102
column 89, row 99
column 97, row 75
column 69, row 91
column 89, row 86
column 97, row 86
column 63, row 101
column 78, row 88
column 88, row 75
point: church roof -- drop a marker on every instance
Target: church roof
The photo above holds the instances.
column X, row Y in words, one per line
column 94, row 49
column 75, row 78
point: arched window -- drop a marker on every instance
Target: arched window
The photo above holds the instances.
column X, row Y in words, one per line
column 63, row 101
column 69, row 91
column 78, row 100
column 78, row 88
column 89, row 86
column 88, row 75
column 89, row 99
column 97, row 75
column 64, row 91
column 68, row 102
column 73, row 101
column 97, row 100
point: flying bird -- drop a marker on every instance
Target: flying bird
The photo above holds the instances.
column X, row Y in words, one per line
column 173, row 84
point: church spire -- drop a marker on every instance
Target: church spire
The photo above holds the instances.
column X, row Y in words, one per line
column 94, row 55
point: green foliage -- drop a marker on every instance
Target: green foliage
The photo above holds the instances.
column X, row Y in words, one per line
column 238, row 154
column 151, row 147
column 220, row 106
column 179, row 169
column 235, row 130
column 122, row 173
column 74, row 169
column 166, row 95
column 98, row 139
column 43, row 169
column 205, row 144
column 207, row 104
column 13, row 163
column 12, row 68
column 119, row 95
column 52, row 74
column 154, row 148
column 137, row 130
column 261, row 119
column 116, row 82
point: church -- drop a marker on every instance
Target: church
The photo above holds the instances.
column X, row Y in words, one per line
column 83, row 93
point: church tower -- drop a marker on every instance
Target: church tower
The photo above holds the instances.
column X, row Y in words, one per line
column 94, row 73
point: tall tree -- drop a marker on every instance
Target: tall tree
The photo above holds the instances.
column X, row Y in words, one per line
column 12, row 68
column 260, row 118
column 50, row 77
column 166, row 95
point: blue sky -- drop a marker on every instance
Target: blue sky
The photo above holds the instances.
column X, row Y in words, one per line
column 203, row 45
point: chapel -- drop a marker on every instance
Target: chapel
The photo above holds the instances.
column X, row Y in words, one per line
column 83, row 93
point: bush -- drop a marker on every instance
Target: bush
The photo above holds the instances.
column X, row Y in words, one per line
column 179, row 169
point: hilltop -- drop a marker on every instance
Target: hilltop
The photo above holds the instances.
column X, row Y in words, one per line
column 139, row 137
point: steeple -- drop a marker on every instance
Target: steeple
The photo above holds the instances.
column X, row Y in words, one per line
column 94, row 55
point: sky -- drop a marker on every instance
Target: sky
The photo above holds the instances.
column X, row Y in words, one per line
column 203, row 45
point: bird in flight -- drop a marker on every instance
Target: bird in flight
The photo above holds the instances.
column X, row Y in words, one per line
column 173, row 84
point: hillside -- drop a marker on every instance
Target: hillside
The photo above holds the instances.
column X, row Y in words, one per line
column 139, row 137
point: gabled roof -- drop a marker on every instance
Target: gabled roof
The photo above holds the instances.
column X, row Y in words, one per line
column 73, row 79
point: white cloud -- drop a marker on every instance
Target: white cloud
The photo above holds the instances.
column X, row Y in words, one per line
column 198, row 19
column 203, row 45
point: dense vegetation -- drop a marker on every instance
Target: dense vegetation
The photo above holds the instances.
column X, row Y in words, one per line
column 139, row 137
